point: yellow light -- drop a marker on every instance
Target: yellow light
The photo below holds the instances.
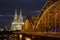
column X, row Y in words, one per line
column 20, row 36
column 27, row 38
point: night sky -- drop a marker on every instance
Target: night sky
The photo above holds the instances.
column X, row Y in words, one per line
column 29, row 7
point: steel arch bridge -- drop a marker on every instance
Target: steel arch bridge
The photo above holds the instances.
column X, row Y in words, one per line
column 50, row 18
column 46, row 22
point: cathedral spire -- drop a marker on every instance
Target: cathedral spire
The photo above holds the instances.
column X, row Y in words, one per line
column 18, row 22
column 20, row 13
column 15, row 17
column 21, row 17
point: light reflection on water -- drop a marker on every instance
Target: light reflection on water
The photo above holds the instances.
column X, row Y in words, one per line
column 26, row 38
column 20, row 36
column 16, row 37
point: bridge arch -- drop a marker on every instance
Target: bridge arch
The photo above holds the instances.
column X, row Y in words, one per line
column 44, row 14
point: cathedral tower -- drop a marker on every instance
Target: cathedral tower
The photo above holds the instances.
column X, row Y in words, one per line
column 18, row 22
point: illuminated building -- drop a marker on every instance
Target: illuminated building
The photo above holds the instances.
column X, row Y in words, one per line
column 18, row 22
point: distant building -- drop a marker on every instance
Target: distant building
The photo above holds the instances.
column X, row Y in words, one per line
column 18, row 22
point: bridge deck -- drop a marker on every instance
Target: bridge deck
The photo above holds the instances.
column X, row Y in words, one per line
column 49, row 34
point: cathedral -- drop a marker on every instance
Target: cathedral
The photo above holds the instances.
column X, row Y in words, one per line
column 17, row 22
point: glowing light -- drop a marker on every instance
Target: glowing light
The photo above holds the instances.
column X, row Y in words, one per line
column 20, row 37
column 27, row 38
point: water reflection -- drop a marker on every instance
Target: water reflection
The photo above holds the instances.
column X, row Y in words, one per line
column 20, row 36
column 27, row 38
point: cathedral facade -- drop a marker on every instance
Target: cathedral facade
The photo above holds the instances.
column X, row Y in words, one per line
column 17, row 22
